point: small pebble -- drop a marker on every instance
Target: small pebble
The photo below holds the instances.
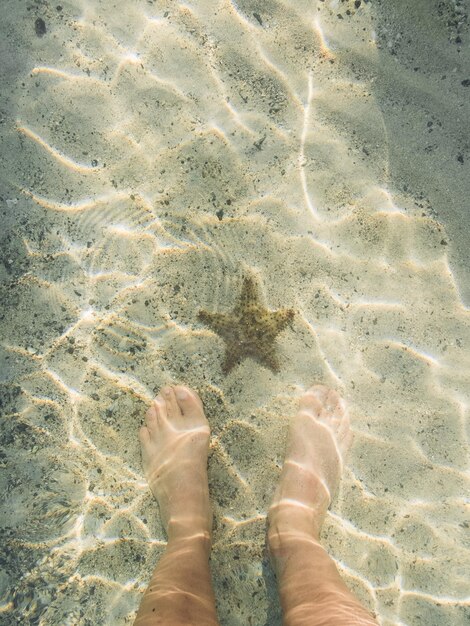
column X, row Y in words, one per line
column 40, row 27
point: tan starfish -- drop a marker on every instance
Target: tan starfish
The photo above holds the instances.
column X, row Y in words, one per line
column 250, row 329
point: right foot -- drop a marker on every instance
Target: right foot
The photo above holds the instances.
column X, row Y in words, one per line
column 319, row 436
column 175, row 444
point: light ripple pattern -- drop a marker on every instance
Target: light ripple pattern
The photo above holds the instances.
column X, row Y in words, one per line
column 160, row 151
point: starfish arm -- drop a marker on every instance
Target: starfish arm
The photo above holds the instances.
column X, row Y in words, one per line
column 230, row 360
column 218, row 322
column 281, row 319
column 249, row 294
column 269, row 359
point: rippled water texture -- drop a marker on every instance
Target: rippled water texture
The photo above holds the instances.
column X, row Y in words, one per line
column 154, row 154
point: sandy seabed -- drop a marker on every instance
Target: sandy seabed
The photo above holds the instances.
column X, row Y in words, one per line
column 153, row 154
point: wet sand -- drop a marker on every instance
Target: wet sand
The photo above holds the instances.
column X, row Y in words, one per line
column 154, row 156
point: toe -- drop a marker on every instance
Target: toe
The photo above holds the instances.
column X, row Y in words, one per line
column 333, row 402
column 310, row 403
column 144, row 435
column 324, row 397
column 156, row 413
column 345, row 434
column 189, row 402
column 320, row 392
column 172, row 408
column 151, row 418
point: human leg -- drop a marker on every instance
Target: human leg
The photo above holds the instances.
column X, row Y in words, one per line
column 311, row 590
column 175, row 442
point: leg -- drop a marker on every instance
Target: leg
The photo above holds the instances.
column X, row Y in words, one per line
column 175, row 443
column 311, row 590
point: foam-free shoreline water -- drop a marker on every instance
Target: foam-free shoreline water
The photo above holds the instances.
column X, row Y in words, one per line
column 154, row 155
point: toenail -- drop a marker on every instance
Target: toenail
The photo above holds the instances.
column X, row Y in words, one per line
column 181, row 394
column 166, row 391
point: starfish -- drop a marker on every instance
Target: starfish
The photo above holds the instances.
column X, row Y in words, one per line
column 250, row 329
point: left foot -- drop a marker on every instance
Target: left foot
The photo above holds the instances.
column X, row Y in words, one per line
column 175, row 445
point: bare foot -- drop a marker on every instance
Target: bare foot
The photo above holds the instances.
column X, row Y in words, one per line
column 319, row 436
column 175, row 444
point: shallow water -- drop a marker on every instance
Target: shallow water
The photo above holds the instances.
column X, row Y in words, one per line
column 153, row 156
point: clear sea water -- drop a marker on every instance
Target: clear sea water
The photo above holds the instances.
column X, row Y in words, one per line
column 155, row 153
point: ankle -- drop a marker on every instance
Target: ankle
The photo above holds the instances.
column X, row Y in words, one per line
column 281, row 536
column 287, row 520
column 197, row 531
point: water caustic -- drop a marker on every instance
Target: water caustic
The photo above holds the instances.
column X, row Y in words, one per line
column 162, row 153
